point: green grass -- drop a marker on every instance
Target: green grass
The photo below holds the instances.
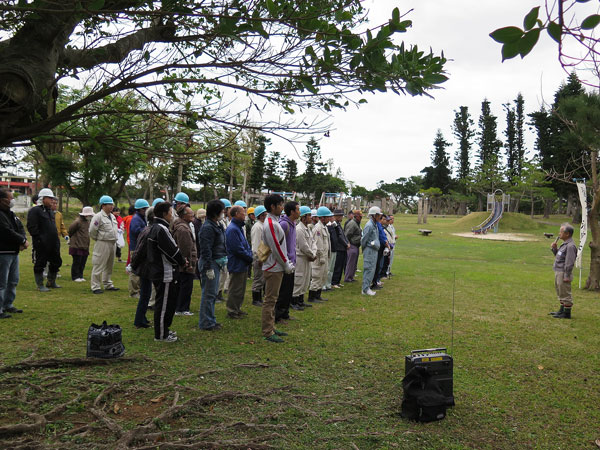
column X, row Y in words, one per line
column 521, row 378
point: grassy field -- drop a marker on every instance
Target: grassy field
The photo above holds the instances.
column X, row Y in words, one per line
column 521, row 379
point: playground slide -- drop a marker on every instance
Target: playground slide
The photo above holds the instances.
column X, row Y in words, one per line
column 491, row 221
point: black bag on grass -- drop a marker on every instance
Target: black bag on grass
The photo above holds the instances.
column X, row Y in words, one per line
column 424, row 400
column 104, row 341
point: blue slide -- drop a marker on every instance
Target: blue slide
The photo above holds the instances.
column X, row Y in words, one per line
column 491, row 221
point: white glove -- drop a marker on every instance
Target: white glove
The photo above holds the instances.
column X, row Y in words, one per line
column 386, row 251
column 289, row 267
column 372, row 243
column 67, row 238
column 128, row 268
column 210, row 274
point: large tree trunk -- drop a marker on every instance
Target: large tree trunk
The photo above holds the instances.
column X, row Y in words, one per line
column 593, row 281
column 548, row 207
column 179, row 176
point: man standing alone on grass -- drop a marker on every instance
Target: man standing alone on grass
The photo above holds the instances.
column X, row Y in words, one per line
column 104, row 230
column 12, row 240
column 563, row 271
column 273, row 268
column 353, row 234
column 239, row 257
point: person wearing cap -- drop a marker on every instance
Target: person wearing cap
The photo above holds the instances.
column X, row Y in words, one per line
column 104, row 230
column 313, row 219
column 79, row 243
column 320, row 265
column 274, row 267
column 224, row 222
column 306, row 252
column 46, row 244
column 370, row 246
column 258, row 280
column 341, row 249
column 287, row 222
column 136, row 225
column 13, row 240
column 353, row 234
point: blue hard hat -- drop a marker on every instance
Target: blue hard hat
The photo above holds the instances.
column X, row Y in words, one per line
column 304, row 210
column 241, row 203
column 259, row 210
column 140, row 203
column 226, row 202
column 156, row 201
column 106, row 200
column 324, row 211
column 182, row 197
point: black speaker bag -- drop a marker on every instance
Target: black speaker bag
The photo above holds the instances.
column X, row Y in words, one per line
column 423, row 400
column 105, row 341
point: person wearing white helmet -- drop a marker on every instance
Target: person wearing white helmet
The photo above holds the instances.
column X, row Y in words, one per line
column 313, row 219
column 320, row 265
column 258, row 280
column 370, row 247
column 41, row 225
column 79, row 243
column 104, row 230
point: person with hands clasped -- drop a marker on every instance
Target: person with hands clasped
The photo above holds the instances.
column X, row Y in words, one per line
column 563, row 271
column 239, row 258
column 211, row 259
column 274, row 267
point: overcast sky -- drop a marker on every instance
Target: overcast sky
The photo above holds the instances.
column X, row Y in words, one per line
column 392, row 135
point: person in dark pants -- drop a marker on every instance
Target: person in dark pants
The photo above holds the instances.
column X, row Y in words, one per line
column 46, row 245
column 353, row 234
column 163, row 256
column 383, row 244
column 564, row 261
column 342, row 246
column 186, row 241
column 239, row 257
column 12, row 240
column 287, row 222
column 79, row 243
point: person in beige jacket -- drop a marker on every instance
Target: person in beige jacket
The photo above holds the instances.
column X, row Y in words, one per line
column 320, row 266
column 104, row 230
column 306, row 252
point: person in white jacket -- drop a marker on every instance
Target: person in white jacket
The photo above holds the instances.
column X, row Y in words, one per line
column 258, row 281
column 275, row 265
column 306, row 252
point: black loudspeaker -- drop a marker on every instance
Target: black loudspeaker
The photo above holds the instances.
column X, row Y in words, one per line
column 437, row 363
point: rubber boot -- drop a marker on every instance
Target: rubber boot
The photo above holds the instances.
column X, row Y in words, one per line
column 312, row 297
column 319, row 296
column 39, row 282
column 52, row 281
column 560, row 311
column 295, row 305
column 566, row 314
column 301, row 302
column 256, row 298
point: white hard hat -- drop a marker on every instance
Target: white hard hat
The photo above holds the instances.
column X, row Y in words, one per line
column 45, row 193
column 374, row 210
column 87, row 211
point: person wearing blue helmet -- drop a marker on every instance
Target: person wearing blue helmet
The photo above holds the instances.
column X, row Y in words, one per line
column 306, row 252
column 104, row 230
column 180, row 201
column 241, row 203
column 136, row 284
column 258, row 280
column 156, row 201
column 320, row 265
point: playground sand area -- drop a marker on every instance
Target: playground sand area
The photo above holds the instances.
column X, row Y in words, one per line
column 516, row 237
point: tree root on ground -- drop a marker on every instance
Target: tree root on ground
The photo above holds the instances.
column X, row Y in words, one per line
column 52, row 363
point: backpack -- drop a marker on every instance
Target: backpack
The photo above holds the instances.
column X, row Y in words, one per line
column 140, row 254
column 104, row 341
column 423, row 400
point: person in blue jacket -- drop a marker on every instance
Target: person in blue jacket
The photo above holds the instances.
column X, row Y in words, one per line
column 212, row 258
column 383, row 245
column 142, row 285
column 239, row 257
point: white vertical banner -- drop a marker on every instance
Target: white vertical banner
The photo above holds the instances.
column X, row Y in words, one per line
column 583, row 229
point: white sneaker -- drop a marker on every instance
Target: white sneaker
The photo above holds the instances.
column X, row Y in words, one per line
column 78, row 280
column 178, row 313
column 169, row 338
column 368, row 292
column 172, row 333
column 187, row 313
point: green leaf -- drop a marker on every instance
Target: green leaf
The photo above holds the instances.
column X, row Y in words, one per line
column 554, row 31
column 531, row 18
column 435, row 78
column 507, row 35
column 307, row 82
column 146, row 55
column 510, row 50
column 272, row 7
column 528, row 41
column 396, row 15
column 96, row 5
column 590, row 22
